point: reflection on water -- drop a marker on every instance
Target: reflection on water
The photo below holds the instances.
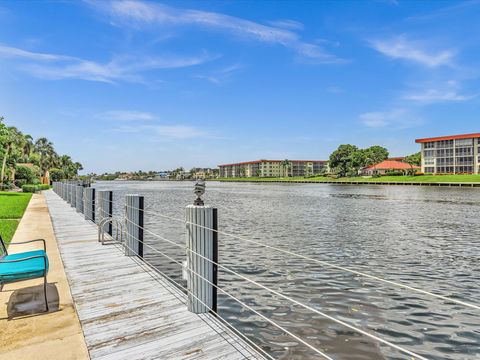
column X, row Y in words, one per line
column 425, row 237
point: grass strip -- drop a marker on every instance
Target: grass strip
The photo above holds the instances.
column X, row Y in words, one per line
column 13, row 205
column 7, row 229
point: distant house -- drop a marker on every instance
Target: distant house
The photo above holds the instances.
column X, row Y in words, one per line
column 162, row 175
column 388, row 165
column 204, row 173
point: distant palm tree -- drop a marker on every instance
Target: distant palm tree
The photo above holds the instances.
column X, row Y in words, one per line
column 45, row 149
column 78, row 167
column 27, row 147
column 11, row 140
column 286, row 166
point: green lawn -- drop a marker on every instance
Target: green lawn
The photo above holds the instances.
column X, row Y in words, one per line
column 422, row 178
column 12, row 207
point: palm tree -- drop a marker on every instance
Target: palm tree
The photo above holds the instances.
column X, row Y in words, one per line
column 78, row 167
column 45, row 149
column 27, row 146
column 11, row 138
column 286, row 165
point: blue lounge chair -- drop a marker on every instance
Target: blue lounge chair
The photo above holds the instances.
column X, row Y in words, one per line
column 24, row 266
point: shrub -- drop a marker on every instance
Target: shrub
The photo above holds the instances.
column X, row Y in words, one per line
column 394, row 173
column 25, row 173
column 6, row 186
column 20, row 182
column 31, row 188
column 57, row 174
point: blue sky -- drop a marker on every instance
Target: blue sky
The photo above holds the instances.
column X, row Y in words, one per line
column 131, row 85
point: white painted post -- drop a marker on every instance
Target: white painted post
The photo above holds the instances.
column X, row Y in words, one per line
column 89, row 203
column 134, row 225
column 73, row 195
column 79, row 198
column 200, row 240
column 105, row 207
column 69, row 193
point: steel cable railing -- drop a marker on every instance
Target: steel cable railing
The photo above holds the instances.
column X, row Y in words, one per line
column 324, row 263
column 307, row 307
column 233, row 298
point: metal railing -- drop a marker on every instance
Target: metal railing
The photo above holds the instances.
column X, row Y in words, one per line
column 121, row 225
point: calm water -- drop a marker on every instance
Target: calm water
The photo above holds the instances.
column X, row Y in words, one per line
column 426, row 237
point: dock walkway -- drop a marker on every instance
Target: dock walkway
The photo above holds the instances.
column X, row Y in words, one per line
column 128, row 311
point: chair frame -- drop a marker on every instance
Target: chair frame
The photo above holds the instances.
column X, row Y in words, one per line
column 5, row 252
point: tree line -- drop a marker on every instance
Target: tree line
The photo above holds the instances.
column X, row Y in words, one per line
column 348, row 159
column 19, row 148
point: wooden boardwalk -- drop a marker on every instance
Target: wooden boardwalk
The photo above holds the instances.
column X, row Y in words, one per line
column 128, row 311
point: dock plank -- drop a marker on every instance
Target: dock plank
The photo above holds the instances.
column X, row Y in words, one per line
column 127, row 310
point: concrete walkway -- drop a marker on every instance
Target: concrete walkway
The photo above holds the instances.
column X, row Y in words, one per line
column 26, row 331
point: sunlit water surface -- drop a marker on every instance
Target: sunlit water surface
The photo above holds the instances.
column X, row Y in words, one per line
column 426, row 237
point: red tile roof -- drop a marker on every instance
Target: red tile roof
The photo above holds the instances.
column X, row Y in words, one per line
column 452, row 137
column 391, row 165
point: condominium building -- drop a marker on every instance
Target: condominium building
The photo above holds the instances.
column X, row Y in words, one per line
column 274, row 168
column 455, row 154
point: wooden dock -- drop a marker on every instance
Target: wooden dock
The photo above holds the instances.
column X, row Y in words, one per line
column 127, row 310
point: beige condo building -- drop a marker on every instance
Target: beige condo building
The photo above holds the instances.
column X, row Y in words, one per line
column 274, row 168
column 456, row 154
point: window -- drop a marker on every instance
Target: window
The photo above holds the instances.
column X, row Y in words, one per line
column 464, row 142
column 465, row 160
column 444, row 144
column 464, row 151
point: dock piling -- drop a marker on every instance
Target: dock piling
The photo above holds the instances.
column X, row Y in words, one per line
column 79, row 198
column 89, row 203
column 134, row 225
column 105, row 208
column 202, row 245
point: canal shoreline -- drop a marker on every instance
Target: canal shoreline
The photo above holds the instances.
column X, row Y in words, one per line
column 343, row 182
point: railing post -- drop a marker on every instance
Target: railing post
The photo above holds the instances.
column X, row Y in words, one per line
column 134, row 225
column 79, row 198
column 105, row 205
column 201, row 273
column 215, row 259
column 89, row 203
column 73, row 195
column 69, row 193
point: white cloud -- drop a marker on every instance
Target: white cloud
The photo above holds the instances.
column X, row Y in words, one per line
column 166, row 132
column 448, row 92
column 222, row 75
column 401, row 48
column 396, row 118
column 126, row 115
column 179, row 131
column 120, row 68
column 11, row 52
column 435, row 95
column 287, row 24
column 139, row 13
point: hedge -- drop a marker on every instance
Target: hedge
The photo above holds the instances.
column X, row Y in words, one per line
column 34, row 188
